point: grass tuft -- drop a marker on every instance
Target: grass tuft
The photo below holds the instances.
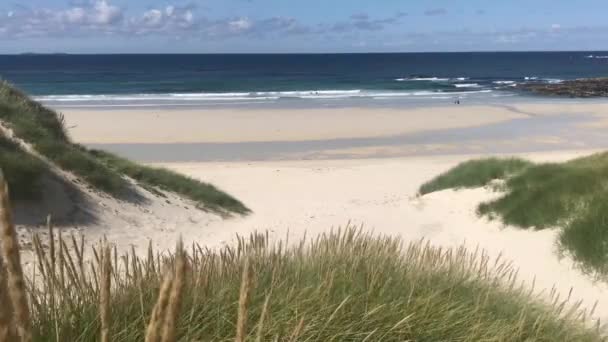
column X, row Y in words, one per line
column 475, row 173
column 207, row 195
column 22, row 171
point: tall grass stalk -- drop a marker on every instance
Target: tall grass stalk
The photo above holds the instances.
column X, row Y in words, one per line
column 12, row 263
column 342, row 285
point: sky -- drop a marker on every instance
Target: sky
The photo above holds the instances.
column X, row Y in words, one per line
column 312, row 26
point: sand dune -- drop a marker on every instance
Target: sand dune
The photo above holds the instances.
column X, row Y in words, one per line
column 310, row 197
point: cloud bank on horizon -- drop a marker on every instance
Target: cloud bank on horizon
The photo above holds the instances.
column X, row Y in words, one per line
column 298, row 26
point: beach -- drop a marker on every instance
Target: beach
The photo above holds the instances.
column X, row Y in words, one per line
column 178, row 135
column 281, row 171
column 305, row 192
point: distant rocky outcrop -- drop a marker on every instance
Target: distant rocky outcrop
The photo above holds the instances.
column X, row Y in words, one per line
column 583, row 88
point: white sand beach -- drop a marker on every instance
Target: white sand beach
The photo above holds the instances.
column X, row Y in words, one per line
column 294, row 198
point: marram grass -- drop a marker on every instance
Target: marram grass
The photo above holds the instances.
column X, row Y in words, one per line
column 345, row 285
column 475, row 173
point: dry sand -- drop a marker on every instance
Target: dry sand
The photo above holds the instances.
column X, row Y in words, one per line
column 294, row 198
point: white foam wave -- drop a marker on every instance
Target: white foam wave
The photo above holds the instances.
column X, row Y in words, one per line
column 194, row 98
column 597, row 57
column 546, row 80
column 467, row 85
column 428, row 79
column 270, row 95
column 504, row 82
column 470, row 92
column 140, row 97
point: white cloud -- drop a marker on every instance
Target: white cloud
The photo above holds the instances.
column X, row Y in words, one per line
column 75, row 15
column 103, row 13
column 169, row 10
column 240, row 24
column 152, row 18
column 188, row 16
column 169, row 20
column 98, row 13
column 92, row 18
column 87, row 17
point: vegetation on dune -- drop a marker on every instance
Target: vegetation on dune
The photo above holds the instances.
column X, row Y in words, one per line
column 46, row 118
column 23, row 172
column 570, row 195
column 44, row 130
column 475, row 173
column 206, row 194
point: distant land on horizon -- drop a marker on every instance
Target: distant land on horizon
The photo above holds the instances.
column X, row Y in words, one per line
column 42, row 53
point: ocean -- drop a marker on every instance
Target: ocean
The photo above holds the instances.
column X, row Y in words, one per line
column 64, row 80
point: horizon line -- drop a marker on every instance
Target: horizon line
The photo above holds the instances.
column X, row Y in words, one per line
column 290, row 53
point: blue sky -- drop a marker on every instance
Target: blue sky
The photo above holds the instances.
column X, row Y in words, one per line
column 205, row 26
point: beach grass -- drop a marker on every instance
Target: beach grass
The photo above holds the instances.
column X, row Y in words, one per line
column 45, row 130
column 23, row 172
column 571, row 196
column 475, row 173
column 207, row 195
column 346, row 285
